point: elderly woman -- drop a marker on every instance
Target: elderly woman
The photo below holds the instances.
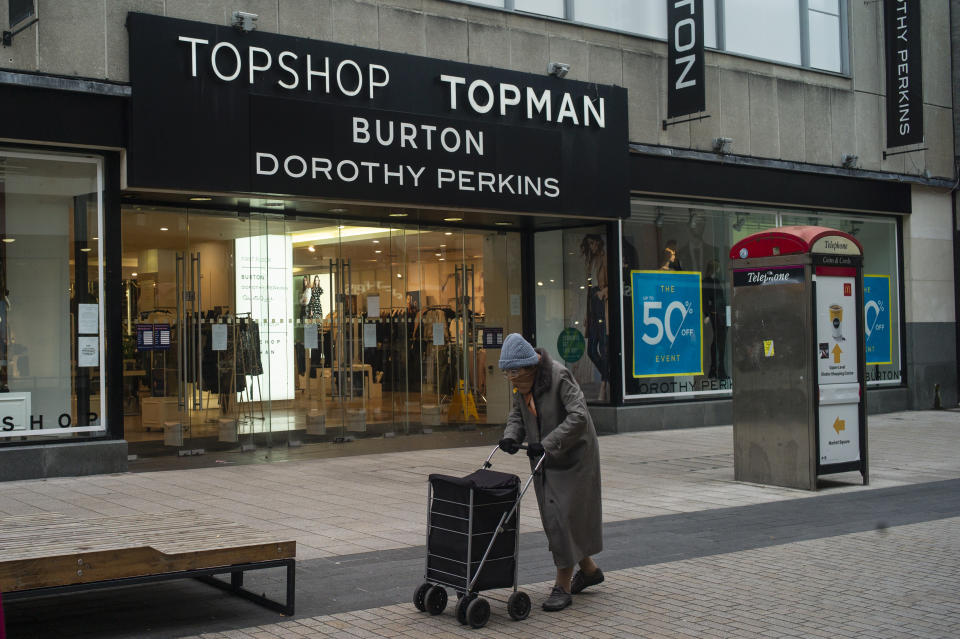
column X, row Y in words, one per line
column 550, row 414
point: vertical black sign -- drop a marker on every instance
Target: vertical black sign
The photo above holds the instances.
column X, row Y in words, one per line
column 685, row 61
column 20, row 10
column 901, row 24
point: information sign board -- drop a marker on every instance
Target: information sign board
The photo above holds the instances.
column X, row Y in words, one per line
column 876, row 319
column 667, row 321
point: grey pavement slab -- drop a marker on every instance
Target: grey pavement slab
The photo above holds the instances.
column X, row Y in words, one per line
column 669, row 500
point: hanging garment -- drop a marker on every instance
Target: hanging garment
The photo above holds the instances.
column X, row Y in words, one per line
column 316, row 302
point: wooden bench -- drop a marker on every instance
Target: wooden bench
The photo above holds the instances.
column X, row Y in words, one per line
column 52, row 553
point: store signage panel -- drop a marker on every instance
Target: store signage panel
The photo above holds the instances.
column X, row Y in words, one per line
column 216, row 109
column 904, row 72
column 264, row 277
column 686, row 89
column 876, row 319
column 837, row 330
column 667, row 321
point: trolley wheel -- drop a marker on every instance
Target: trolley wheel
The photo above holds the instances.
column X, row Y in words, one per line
column 478, row 612
column 518, row 605
column 420, row 596
column 462, row 607
column 436, row 600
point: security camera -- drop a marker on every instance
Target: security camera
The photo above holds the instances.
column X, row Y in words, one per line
column 558, row 69
column 245, row 21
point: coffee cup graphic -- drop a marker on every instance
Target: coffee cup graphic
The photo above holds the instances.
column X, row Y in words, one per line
column 836, row 319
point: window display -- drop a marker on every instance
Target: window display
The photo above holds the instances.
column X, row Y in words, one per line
column 308, row 330
column 664, row 243
column 51, row 319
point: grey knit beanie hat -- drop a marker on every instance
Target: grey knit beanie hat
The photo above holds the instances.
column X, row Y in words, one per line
column 516, row 352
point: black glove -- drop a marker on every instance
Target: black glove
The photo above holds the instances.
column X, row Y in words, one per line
column 509, row 445
column 535, row 450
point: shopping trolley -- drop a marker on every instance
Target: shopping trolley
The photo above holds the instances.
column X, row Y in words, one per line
column 472, row 543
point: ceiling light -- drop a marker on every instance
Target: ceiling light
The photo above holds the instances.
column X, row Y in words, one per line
column 442, row 259
column 438, row 254
column 337, row 211
column 376, row 241
column 133, row 275
column 273, row 203
column 378, row 251
column 453, row 219
column 443, row 246
column 163, row 228
column 341, row 227
column 448, row 233
column 96, row 238
column 200, row 199
column 85, row 249
column 398, row 215
column 503, row 223
column 399, row 275
column 312, row 249
column 539, row 283
column 9, row 240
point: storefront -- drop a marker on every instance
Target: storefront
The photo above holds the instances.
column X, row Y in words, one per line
column 319, row 243
column 257, row 240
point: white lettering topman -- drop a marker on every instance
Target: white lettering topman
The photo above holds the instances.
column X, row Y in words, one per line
column 482, row 98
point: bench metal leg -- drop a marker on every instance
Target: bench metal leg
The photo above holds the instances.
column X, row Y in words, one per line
column 236, row 585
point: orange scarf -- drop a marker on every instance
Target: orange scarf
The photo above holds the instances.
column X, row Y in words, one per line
column 529, row 399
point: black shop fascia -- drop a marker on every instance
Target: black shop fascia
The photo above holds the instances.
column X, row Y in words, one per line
column 217, row 110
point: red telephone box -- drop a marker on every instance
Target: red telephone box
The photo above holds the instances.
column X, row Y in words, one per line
column 799, row 372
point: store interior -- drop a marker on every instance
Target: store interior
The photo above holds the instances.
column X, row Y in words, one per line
column 248, row 330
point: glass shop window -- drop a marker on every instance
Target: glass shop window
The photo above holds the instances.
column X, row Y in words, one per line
column 51, row 316
column 881, row 289
column 572, row 297
column 675, row 308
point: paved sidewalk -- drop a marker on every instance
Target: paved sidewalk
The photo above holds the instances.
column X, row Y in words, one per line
column 355, row 516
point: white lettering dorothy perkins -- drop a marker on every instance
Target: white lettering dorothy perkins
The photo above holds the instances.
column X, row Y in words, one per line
column 318, row 168
column 407, row 134
column 346, row 76
column 903, row 68
column 482, row 98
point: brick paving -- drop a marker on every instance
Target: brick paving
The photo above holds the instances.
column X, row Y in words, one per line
column 897, row 581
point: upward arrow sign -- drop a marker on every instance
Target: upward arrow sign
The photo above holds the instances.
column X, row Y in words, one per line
column 836, row 353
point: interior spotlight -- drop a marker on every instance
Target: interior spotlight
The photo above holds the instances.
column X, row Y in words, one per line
column 693, row 221
column 558, row 69
column 244, row 21
column 722, row 145
column 659, row 221
column 849, row 161
column 739, row 223
column 854, row 228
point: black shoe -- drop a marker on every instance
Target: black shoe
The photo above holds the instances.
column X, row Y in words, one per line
column 582, row 580
column 558, row 600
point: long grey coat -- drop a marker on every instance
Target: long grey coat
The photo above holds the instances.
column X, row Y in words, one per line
column 568, row 489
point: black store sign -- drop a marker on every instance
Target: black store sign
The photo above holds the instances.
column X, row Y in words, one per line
column 901, row 25
column 686, row 92
column 215, row 109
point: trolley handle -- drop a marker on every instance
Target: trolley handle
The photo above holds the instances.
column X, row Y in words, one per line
column 493, row 452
